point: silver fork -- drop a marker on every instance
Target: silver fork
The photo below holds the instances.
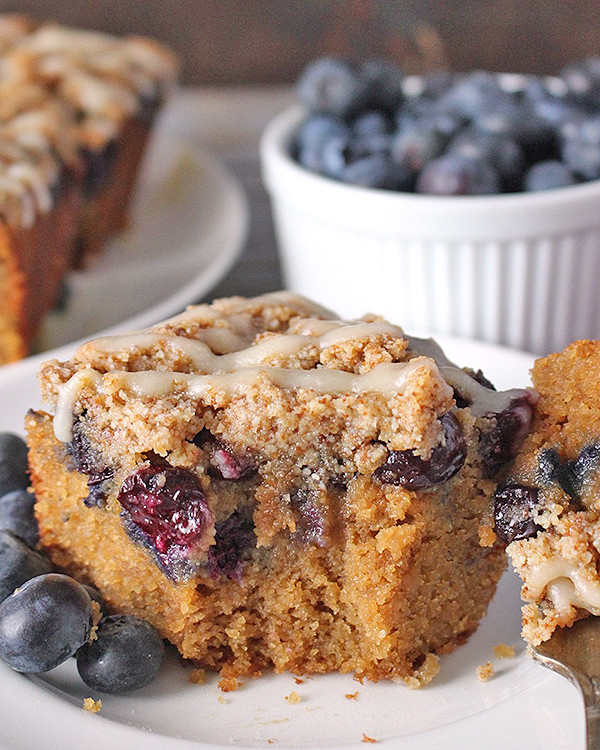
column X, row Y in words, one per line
column 575, row 654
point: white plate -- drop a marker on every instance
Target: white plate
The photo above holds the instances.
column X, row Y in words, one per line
column 188, row 224
column 524, row 705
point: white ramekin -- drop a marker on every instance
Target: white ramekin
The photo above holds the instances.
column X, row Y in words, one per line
column 521, row 270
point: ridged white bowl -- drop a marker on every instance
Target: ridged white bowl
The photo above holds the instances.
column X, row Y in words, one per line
column 521, row 269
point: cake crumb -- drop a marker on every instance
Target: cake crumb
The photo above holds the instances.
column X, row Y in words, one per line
column 96, row 617
column 485, row 672
column 293, row 698
column 366, row 738
column 222, row 700
column 229, row 684
column 487, row 536
column 298, row 680
column 423, row 674
column 89, row 704
column 503, row 651
column 198, row 676
column 352, row 696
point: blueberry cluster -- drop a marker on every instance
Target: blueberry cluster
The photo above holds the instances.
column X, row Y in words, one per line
column 47, row 617
column 449, row 133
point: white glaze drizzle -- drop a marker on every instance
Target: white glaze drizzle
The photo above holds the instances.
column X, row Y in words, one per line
column 565, row 585
column 231, row 369
column 483, row 401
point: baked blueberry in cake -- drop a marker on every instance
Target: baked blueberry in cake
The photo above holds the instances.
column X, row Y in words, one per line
column 548, row 508
column 273, row 488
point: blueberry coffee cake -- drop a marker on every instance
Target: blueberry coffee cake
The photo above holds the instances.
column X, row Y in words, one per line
column 273, row 488
column 76, row 109
column 548, row 510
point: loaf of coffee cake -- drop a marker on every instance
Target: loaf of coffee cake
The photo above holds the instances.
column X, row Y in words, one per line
column 548, row 509
column 75, row 112
column 274, row 488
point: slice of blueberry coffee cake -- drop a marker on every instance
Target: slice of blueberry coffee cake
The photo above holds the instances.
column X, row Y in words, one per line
column 273, row 488
column 548, row 511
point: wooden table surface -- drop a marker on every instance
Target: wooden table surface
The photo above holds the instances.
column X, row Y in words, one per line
column 262, row 41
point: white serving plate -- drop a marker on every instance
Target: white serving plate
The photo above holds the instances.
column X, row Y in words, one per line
column 524, row 705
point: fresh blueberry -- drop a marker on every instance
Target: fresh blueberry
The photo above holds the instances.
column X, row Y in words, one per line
column 313, row 134
column 437, row 83
column 383, row 82
column 581, row 147
column 44, row 623
column 583, row 82
column 407, row 469
column 13, row 463
column 318, row 127
column 514, row 507
column 16, row 515
column 332, row 86
column 416, row 109
column 377, row 170
column 234, row 539
column 370, row 123
column 18, row 563
column 553, row 109
column 165, row 509
column 126, row 655
column 474, row 94
column 547, row 175
column 334, row 156
column 414, row 146
column 499, row 149
column 455, row 174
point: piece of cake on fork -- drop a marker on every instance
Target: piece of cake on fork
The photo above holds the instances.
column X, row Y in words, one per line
column 274, row 488
column 548, row 509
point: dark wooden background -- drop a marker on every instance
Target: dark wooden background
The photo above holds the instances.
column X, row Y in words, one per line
column 264, row 41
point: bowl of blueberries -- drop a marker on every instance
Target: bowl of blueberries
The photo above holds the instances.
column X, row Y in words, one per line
column 465, row 204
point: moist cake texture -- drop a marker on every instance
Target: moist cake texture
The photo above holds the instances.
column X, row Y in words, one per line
column 273, row 488
column 75, row 113
column 549, row 508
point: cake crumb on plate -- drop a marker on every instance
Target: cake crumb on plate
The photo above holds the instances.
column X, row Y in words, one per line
column 503, row 651
column 198, row 676
column 89, row 704
column 485, row 672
